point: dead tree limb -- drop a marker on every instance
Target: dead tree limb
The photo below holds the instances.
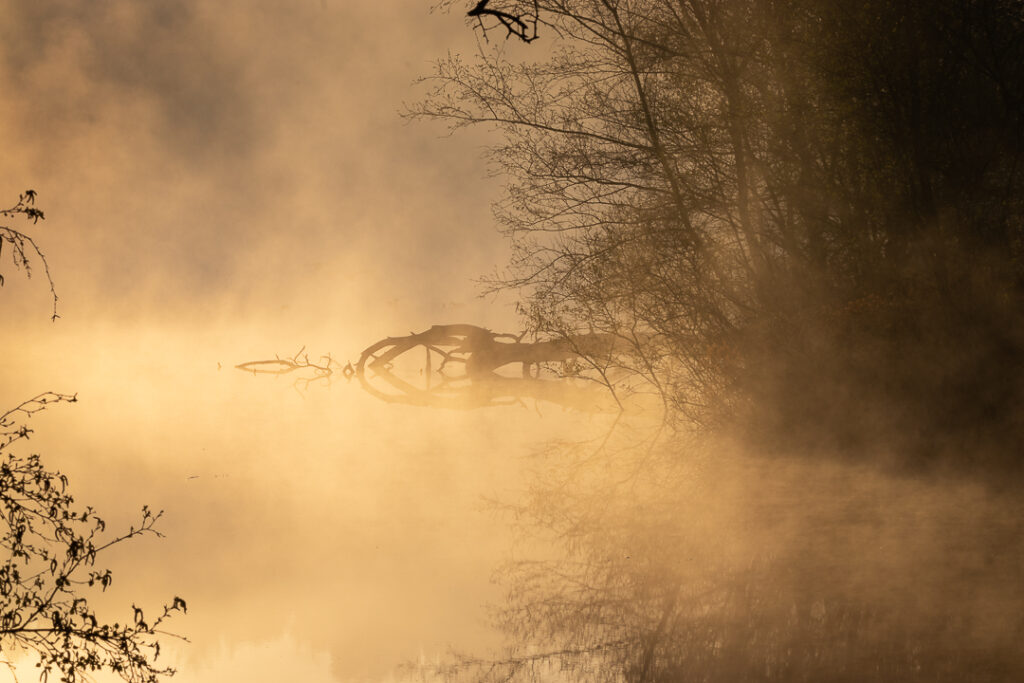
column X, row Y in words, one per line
column 522, row 26
column 322, row 369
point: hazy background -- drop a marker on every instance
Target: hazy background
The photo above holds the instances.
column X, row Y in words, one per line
column 228, row 181
column 223, row 182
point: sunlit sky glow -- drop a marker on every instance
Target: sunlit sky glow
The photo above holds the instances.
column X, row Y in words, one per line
column 225, row 182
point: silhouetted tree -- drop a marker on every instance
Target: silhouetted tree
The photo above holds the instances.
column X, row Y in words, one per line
column 809, row 212
column 804, row 221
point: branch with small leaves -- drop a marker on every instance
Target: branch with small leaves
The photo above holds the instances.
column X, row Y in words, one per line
column 23, row 247
column 49, row 568
column 11, row 431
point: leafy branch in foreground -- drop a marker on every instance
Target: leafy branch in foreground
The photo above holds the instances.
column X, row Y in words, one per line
column 49, row 566
column 22, row 245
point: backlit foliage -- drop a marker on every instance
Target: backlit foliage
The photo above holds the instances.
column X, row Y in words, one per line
column 23, row 249
column 50, row 576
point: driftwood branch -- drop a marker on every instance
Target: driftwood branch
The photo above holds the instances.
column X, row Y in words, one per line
column 492, row 368
column 321, row 370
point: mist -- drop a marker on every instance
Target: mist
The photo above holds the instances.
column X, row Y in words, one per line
column 234, row 182
column 718, row 422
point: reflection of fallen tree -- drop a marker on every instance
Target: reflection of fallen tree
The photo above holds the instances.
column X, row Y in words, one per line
column 466, row 366
column 472, row 366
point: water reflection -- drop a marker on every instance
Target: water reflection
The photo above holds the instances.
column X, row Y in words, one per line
column 467, row 366
column 667, row 560
column 646, row 555
column 354, row 526
column 351, row 533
